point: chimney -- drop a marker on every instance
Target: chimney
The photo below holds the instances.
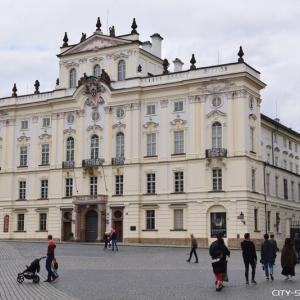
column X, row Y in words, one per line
column 156, row 44
column 147, row 46
column 177, row 65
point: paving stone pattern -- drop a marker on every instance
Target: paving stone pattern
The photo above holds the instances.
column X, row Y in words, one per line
column 134, row 273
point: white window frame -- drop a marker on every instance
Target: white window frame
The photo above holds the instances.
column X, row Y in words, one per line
column 44, row 189
column 121, row 70
column 253, row 180
column 217, row 179
column 45, row 154
column 69, row 187
column 178, row 106
column 20, row 222
column 72, row 78
column 150, row 219
column 178, row 141
column 120, row 144
column 70, row 149
column 94, row 146
column 22, row 190
column 119, row 179
column 23, row 156
column 178, row 182
column 151, row 144
column 43, row 222
column 178, row 217
column 46, row 122
column 151, row 109
column 97, row 70
column 93, row 186
column 151, row 183
column 216, row 135
column 252, row 139
column 23, row 122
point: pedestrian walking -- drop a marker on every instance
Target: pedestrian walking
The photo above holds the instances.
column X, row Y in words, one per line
column 297, row 246
column 114, row 240
column 274, row 243
column 50, row 257
column 249, row 256
column 268, row 256
column 106, row 240
column 194, row 246
column 218, row 252
column 288, row 259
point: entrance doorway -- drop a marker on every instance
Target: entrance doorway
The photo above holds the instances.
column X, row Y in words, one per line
column 67, row 226
column 117, row 222
column 91, row 226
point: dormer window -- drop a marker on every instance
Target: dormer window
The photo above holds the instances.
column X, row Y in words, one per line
column 72, row 79
column 121, row 70
column 97, row 71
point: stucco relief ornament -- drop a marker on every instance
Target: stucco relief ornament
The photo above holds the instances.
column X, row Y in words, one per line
column 93, row 88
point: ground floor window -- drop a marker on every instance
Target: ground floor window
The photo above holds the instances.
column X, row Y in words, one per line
column 269, row 221
column 178, row 219
column 43, row 222
column 20, row 222
column 217, row 224
column 255, row 219
column 150, row 219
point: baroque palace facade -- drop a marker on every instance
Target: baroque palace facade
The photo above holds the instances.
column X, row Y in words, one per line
column 122, row 142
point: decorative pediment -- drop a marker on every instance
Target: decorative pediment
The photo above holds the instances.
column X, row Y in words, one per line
column 291, row 155
column 178, row 121
column 94, row 43
column 96, row 59
column 215, row 113
column 150, row 124
column 119, row 125
column 94, row 128
column 120, row 55
column 69, row 131
column 45, row 136
column 269, row 147
column 285, row 152
column 23, row 139
column 70, row 64
column 276, row 149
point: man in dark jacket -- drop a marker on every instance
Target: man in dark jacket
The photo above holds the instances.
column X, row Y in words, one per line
column 249, row 256
column 297, row 246
column 268, row 255
column 114, row 240
column 194, row 246
column 50, row 258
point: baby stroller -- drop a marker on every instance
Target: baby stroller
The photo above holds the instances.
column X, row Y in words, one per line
column 30, row 272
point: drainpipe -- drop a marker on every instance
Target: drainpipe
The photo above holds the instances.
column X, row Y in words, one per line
column 265, row 196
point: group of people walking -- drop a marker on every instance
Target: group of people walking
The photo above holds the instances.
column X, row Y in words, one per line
column 110, row 240
column 290, row 256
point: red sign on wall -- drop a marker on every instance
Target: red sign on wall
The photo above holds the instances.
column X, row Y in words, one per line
column 6, row 223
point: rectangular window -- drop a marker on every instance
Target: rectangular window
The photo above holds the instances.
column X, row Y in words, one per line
column 151, row 144
column 151, row 183
column 45, row 154
column 276, row 186
column 275, row 137
column 285, row 189
column 268, row 184
column 217, row 179
column 178, row 182
column 297, row 169
column 119, row 184
column 296, row 148
column 269, row 221
column 22, row 190
column 284, row 164
column 151, row 109
column 23, row 156
column 44, row 189
column 24, row 124
column 178, row 219
column 255, row 219
column 178, row 142
column 291, row 166
column 69, row 187
column 268, row 158
column 253, row 180
column 292, row 190
column 46, row 122
column 178, row 106
column 252, row 143
column 93, row 185
column 290, row 145
column 20, row 222
column 43, row 222
column 284, row 142
column 277, row 224
column 276, row 161
column 150, row 219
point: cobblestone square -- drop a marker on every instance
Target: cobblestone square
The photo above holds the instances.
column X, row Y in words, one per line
column 134, row 273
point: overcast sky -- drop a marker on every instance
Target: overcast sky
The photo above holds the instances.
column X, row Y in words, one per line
column 268, row 30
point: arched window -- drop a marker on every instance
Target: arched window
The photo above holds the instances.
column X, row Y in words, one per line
column 70, row 149
column 72, row 79
column 120, row 144
column 216, row 135
column 121, row 70
column 97, row 71
column 94, row 147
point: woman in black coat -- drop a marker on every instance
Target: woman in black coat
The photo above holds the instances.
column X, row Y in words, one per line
column 218, row 252
column 288, row 259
